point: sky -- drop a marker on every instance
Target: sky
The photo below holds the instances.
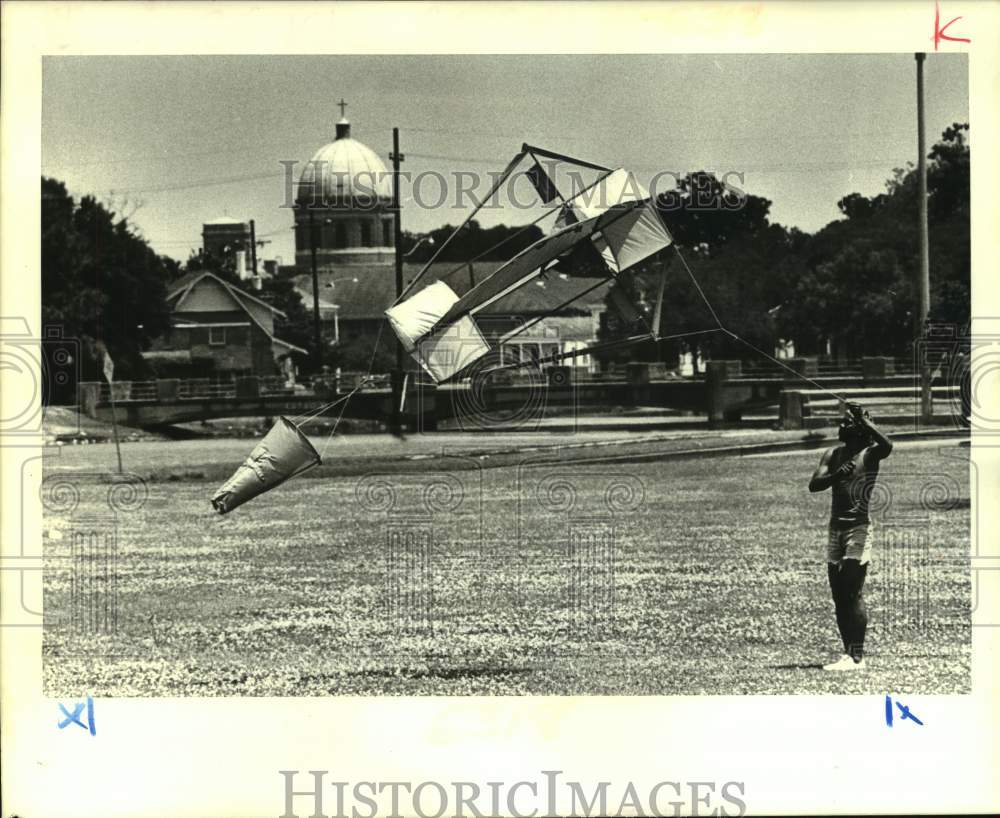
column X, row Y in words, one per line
column 178, row 141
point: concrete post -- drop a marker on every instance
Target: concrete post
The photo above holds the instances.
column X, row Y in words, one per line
column 877, row 367
column 559, row 376
column 423, row 400
column 561, row 389
column 721, row 406
column 791, row 411
column 637, row 375
column 248, row 387
column 804, row 366
column 88, row 395
column 167, row 389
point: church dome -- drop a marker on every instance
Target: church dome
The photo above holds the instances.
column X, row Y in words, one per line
column 345, row 169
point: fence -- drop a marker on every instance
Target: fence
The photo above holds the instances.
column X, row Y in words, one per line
column 728, row 392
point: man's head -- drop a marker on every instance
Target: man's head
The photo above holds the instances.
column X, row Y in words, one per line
column 851, row 431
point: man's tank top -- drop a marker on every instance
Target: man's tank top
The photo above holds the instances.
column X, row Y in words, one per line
column 849, row 506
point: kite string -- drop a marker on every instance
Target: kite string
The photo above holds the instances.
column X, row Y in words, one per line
column 496, row 186
column 785, row 366
column 701, row 292
column 316, row 412
column 757, row 349
column 363, row 382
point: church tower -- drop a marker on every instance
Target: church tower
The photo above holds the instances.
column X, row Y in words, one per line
column 344, row 205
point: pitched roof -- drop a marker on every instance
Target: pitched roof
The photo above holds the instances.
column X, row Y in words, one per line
column 375, row 289
column 182, row 286
column 187, row 281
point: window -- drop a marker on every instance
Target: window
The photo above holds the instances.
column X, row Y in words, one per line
column 387, row 234
column 366, row 234
column 341, row 237
column 216, row 336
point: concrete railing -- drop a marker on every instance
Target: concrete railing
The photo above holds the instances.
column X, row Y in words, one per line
column 799, row 406
column 726, row 393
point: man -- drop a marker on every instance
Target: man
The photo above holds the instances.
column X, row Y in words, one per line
column 850, row 470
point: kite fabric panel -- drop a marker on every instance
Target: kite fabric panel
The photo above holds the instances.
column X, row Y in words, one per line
column 618, row 187
column 638, row 236
column 629, row 240
column 444, row 353
column 543, row 184
column 531, row 261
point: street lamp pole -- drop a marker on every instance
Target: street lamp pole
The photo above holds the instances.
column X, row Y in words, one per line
column 331, row 285
column 317, row 331
column 397, row 374
column 923, row 271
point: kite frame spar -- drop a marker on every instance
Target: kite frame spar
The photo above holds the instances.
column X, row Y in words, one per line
column 592, row 227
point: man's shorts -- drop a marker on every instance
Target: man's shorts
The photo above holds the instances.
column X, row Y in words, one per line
column 852, row 542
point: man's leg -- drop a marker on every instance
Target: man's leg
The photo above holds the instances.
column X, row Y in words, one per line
column 833, row 573
column 852, row 582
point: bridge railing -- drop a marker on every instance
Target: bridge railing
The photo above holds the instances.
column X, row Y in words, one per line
column 128, row 391
column 205, row 388
column 275, row 385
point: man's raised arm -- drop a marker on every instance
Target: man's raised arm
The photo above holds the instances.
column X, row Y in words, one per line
column 882, row 445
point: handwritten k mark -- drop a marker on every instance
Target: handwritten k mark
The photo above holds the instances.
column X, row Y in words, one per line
column 939, row 32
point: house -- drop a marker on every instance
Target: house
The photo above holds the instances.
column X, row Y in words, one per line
column 216, row 330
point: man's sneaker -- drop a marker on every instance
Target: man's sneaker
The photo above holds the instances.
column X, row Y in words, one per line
column 845, row 662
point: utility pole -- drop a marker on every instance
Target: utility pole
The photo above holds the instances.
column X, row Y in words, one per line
column 923, row 270
column 317, row 333
column 397, row 373
column 253, row 248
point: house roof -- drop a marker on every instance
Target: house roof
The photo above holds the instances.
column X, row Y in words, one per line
column 186, row 282
column 375, row 289
column 182, row 286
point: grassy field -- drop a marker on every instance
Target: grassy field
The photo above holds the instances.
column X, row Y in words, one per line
column 696, row 576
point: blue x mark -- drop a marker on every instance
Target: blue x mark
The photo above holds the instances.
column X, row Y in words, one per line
column 904, row 712
column 74, row 717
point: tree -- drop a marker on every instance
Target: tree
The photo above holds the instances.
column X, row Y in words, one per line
column 741, row 262
column 859, row 290
column 499, row 243
column 356, row 353
column 101, row 283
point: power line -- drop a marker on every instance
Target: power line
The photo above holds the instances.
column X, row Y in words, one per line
column 192, row 185
column 784, row 168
